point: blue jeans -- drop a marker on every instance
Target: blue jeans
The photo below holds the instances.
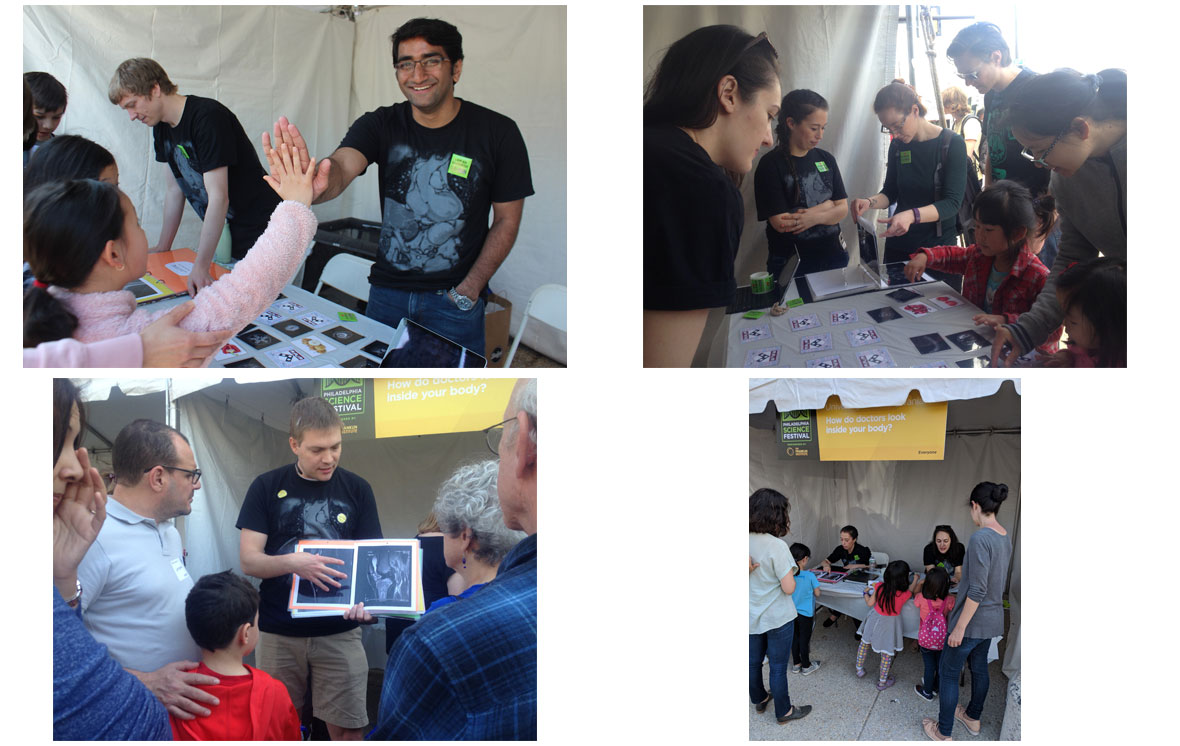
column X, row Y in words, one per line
column 930, row 660
column 775, row 645
column 432, row 309
column 973, row 652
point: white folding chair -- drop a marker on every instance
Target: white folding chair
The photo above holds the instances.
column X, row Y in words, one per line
column 546, row 305
column 880, row 558
column 348, row 274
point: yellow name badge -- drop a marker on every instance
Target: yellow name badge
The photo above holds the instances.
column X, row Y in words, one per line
column 821, row 167
column 905, row 156
column 460, row 166
column 282, row 493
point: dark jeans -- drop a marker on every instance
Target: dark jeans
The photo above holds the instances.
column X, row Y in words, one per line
column 973, row 653
column 801, row 642
column 930, row 659
column 775, row 645
column 433, row 309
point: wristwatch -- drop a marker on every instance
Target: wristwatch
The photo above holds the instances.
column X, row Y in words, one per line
column 463, row 302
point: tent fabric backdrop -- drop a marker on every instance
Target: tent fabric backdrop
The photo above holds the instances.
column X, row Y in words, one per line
column 895, row 505
column 860, row 393
column 846, row 53
column 322, row 72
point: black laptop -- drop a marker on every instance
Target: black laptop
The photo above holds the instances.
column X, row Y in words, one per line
column 747, row 300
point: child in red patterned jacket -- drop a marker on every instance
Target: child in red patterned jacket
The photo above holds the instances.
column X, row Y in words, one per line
column 1001, row 275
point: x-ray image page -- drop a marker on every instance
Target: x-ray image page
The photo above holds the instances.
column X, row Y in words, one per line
column 383, row 574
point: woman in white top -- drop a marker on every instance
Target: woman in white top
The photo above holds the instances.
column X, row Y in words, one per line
column 772, row 612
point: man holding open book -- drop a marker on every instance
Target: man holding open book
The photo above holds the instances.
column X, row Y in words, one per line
column 311, row 499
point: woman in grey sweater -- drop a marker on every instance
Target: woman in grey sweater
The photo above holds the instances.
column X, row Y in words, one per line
column 1075, row 125
column 978, row 617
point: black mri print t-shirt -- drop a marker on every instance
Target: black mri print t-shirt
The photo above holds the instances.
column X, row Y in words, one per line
column 209, row 136
column 287, row 508
column 437, row 189
column 1002, row 147
column 774, row 187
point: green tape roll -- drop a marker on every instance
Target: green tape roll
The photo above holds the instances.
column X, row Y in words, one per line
column 761, row 282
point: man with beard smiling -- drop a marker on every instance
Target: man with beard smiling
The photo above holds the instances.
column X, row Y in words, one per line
column 311, row 499
column 443, row 164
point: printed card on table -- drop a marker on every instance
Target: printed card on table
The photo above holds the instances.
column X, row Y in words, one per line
column 879, row 358
column 844, row 317
column 268, row 317
column 983, row 361
column 184, row 269
column 918, row 309
column 232, row 348
column 799, row 323
column 767, row 357
column 862, row 337
column 343, row 335
column 247, row 363
column 315, row 320
column 287, row 357
column 969, row 340
column 287, row 307
column 313, row 346
column 903, row 295
column 945, row 301
column 933, row 364
column 756, row 333
column 825, row 362
column 258, row 339
column 815, row 343
column 292, row 327
column 881, row 315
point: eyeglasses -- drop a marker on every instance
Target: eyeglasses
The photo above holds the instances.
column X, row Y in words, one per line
column 493, row 434
column 193, row 474
column 429, row 64
column 973, row 75
column 1027, row 155
column 895, row 129
column 761, row 37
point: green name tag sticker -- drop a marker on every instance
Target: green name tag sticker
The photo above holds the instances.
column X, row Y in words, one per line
column 753, row 314
column 460, row 166
column 344, row 316
column 183, row 152
column 821, row 167
column 905, row 156
column 794, row 303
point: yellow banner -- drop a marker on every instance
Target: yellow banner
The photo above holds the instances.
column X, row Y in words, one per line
column 424, row 406
column 915, row 431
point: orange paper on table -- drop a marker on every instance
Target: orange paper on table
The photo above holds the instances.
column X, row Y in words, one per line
column 158, row 268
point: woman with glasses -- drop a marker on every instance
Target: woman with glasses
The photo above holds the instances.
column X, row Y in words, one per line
column 93, row 696
column 945, row 551
column 926, row 185
column 1074, row 125
column 707, row 110
column 799, row 192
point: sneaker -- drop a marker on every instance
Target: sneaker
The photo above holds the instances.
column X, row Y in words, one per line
column 860, row 673
column 922, row 694
column 829, row 622
column 795, row 667
column 814, row 665
column 882, row 686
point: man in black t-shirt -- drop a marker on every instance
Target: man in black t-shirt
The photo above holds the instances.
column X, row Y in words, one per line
column 310, row 499
column 443, row 164
column 214, row 166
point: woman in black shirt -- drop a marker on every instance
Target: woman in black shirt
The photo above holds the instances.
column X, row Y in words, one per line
column 799, row 192
column 707, row 110
column 946, row 551
column 852, row 554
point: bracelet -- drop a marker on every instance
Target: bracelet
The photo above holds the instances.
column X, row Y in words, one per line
column 77, row 598
column 917, row 216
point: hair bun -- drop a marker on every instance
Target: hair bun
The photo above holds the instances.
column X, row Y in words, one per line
column 1001, row 492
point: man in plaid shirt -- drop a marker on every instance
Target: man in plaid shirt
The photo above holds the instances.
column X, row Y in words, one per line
column 469, row 670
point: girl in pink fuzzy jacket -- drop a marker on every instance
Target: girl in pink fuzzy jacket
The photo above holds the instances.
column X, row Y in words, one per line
column 84, row 244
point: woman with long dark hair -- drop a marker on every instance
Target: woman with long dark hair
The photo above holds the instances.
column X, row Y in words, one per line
column 978, row 615
column 772, row 612
column 799, row 192
column 945, row 551
column 1076, row 126
column 707, row 110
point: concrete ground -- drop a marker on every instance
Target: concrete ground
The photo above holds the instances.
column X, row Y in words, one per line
column 845, row 708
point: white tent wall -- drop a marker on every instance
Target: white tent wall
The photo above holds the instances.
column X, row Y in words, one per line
column 846, row 53
column 895, row 505
column 322, row 72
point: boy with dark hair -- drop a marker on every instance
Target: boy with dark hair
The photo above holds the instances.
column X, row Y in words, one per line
column 213, row 163
column 806, row 591
column 49, row 104
column 222, row 616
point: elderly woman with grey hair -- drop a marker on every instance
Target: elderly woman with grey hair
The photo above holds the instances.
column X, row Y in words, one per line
column 475, row 538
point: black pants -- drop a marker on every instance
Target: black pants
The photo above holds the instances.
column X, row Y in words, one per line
column 801, row 642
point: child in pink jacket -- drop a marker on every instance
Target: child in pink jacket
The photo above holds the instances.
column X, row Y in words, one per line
column 84, row 244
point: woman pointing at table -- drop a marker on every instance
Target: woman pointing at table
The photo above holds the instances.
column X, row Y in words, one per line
column 707, row 110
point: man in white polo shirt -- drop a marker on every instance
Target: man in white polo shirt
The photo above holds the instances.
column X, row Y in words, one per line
column 133, row 576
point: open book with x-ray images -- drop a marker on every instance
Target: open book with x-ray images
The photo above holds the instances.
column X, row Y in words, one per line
column 383, row 574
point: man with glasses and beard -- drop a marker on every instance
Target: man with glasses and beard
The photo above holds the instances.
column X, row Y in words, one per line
column 443, row 164
column 134, row 575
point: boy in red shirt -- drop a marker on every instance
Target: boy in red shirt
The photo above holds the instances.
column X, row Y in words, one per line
column 221, row 612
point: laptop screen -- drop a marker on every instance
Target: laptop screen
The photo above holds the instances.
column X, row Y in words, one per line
column 420, row 347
